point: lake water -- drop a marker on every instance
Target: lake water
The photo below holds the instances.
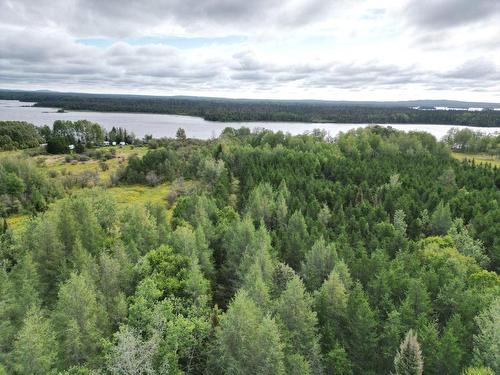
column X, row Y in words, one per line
column 166, row 125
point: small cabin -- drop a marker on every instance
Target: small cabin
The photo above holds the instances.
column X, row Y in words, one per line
column 113, row 143
column 122, row 143
column 106, row 143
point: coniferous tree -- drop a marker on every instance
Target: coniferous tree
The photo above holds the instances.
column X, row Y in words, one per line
column 79, row 320
column 417, row 305
column 138, row 230
column 296, row 240
column 487, row 340
column 7, row 314
column 248, row 342
column 331, row 307
column 429, row 338
column 361, row 335
column 408, row 360
column 450, row 350
column 48, row 254
column 35, row 348
column 318, row 263
column 26, row 284
column 337, row 362
column 294, row 310
column 441, row 220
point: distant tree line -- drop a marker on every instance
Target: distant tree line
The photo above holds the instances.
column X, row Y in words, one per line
column 257, row 110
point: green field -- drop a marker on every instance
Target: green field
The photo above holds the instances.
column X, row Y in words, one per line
column 58, row 163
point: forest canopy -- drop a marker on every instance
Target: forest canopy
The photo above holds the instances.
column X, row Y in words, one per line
column 374, row 252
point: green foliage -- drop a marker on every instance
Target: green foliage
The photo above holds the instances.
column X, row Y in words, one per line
column 331, row 306
column 18, row 135
column 478, row 371
column 36, row 348
column 408, row 360
column 487, row 341
column 441, row 219
column 169, row 270
column 296, row 241
column 318, row 264
column 245, row 273
column 248, row 342
column 294, row 311
column 79, row 320
column 81, row 134
column 361, row 340
column 138, row 231
column 467, row 140
column 24, row 187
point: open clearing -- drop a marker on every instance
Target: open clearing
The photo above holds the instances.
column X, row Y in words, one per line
column 478, row 158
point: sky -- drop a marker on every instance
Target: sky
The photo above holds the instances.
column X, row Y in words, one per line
column 275, row 49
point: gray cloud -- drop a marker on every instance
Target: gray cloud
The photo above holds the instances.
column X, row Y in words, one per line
column 38, row 46
column 118, row 18
column 479, row 69
column 443, row 14
column 49, row 61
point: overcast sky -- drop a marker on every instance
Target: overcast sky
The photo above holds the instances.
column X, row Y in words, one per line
column 291, row 49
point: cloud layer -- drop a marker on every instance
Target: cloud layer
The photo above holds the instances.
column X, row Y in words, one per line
column 340, row 49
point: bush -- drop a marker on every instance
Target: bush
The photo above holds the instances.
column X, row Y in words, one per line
column 152, row 179
column 79, row 148
column 57, row 145
column 104, row 167
column 171, row 197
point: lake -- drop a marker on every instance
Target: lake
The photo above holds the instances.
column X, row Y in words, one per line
column 166, row 125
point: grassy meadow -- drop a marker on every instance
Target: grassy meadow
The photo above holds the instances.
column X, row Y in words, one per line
column 478, row 158
column 57, row 167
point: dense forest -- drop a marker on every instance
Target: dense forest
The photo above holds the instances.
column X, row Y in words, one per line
column 374, row 252
column 227, row 110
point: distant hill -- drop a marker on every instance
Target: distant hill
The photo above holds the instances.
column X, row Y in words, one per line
column 248, row 110
column 340, row 103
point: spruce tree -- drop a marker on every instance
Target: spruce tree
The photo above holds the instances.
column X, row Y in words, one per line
column 318, row 263
column 408, row 360
column 295, row 241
